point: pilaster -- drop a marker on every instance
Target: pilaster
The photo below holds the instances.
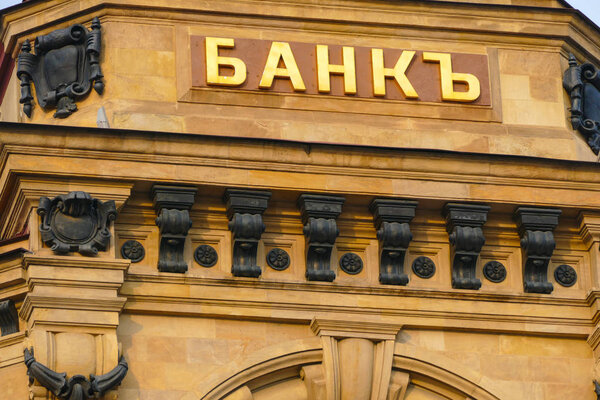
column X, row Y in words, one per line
column 357, row 360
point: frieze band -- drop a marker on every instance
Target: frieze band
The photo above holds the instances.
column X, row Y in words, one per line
column 76, row 222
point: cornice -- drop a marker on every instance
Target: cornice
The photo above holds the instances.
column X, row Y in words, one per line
column 263, row 300
column 11, row 349
column 359, row 328
column 88, row 304
column 12, row 339
column 416, row 165
column 451, row 20
column 393, row 291
column 594, row 339
column 74, row 261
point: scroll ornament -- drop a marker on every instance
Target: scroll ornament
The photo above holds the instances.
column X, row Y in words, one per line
column 392, row 218
column 536, row 226
column 319, row 214
column 76, row 222
column 77, row 387
column 582, row 83
column 63, row 69
column 245, row 210
column 173, row 204
column 464, row 223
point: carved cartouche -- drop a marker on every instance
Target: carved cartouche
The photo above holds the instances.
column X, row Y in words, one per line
column 63, row 69
column 76, row 222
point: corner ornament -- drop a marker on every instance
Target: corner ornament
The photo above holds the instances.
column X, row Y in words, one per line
column 76, row 222
column 77, row 387
column 63, row 69
column 582, row 83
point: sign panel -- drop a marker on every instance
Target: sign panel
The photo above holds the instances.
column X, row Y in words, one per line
column 335, row 70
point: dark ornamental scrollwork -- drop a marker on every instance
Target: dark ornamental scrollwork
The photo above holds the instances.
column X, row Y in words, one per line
column 278, row 259
column 65, row 66
column 319, row 215
column 565, row 275
column 76, row 222
column 423, row 267
column 582, row 83
column 244, row 210
column 392, row 218
column 536, row 226
column 9, row 319
column 133, row 250
column 351, row 263
column 77, row 387
column 494, row 271
column 464, row 224
column 597, row 389
column 206, row 255
column 173, row 204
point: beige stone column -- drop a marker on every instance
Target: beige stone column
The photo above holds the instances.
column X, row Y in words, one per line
column 72, row 307
column 589, row 228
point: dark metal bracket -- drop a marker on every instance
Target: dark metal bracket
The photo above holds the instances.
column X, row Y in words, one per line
column 464, row 224
column 536, row 226
column 173, row 204
column 244, row 210
column 392, row 218
column 320, row 229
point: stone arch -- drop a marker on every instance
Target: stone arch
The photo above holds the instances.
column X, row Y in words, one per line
column 299, row 370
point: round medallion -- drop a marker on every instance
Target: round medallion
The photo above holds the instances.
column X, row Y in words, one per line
column 423, row 267
column 351, row 263
column 278, row 259
column 494, row 271
column 206, row 255
column 133, row 250
column 565, row 275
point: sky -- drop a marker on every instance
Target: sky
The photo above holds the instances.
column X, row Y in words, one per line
column 591, row 8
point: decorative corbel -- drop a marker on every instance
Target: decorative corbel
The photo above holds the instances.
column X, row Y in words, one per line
column 320, row 229
column 173, row 204
column 535, row 227
column 244, row 210
column 76, row 222
column 9, row 319
column 77, row 387
column 582, row 83
column 464, row 224
column 391, row 219
column 64, row 68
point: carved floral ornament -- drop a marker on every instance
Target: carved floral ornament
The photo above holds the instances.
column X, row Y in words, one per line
column 63, row 69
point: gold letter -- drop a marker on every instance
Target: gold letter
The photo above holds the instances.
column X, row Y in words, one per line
column 448, row 78
column 214, row 61
column 348, row 69
column 281, row 51
column 398, row 73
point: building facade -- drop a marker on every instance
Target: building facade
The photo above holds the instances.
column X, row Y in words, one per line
column 300, row 200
